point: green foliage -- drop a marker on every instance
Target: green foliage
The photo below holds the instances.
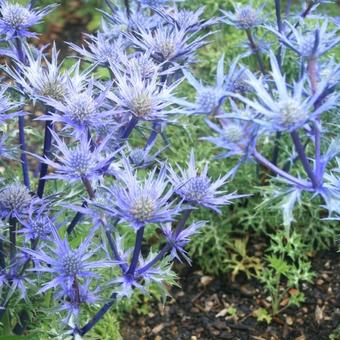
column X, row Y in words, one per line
column 287, row 266
column 240, row 262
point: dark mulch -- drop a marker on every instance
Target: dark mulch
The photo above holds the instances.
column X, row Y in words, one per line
column 198, row 309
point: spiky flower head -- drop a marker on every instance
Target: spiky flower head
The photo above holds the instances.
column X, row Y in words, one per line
column 309, row 44
column 77, row 162
column 101, row 49
column 185, row 19
column 290, row 107
column 208, row 98
column 44, row 79
column 67, row 266
column 16, row 19
column 143, row 98
column 197, row 188
column 14, row 200
column 36, row 224
column 80, row 109
column 143, row 64
column 237, row 80
column 236, row 131
column 142, row 202
column 244, row 17
column 178, row 240
column 168, row 44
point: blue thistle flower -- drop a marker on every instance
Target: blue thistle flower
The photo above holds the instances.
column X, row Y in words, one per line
column 290, row 108
column 236, row 131
column 67, row 266
column 80, row 109
column 143, row 64
column 143, row 98
column 100, row 49
column 15, row 200
column 244, row 17
column 141, row 158
column 208, row 98
column 189, row 21
column 78, row 162
column 310, row 44
column 141, row 202
column 72, row 298
column 237, row 80
column 168, row 44
column 177, row 241
column 16, row 19
column 36, row 224
column 198, row 189
column 43, row 79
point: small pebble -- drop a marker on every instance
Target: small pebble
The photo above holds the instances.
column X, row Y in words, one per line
column 320, row 282
column 289, row 320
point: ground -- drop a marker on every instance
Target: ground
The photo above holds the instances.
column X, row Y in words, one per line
column 207, row 307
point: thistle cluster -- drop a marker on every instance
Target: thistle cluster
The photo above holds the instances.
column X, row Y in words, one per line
column 247, row 107
column 100, row 184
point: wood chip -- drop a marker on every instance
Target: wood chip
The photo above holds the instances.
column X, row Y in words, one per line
column 157, row 328
column 206, row 280
column 289, row 320
column 222, row 313
column 319, row 314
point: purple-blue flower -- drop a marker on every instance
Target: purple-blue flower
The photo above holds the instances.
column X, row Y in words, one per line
column 140, row 202
column 15, row 200
column 77, row 162
column 197, row 188
column 178, row 240
column 245, row 16
column 68, row 267
column 17, row 19
column 290, row 107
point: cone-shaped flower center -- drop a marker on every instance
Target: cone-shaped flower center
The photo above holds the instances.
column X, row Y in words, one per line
column 196, row 188
column 233, row 133
column 80, row 161
column 143, row 208
column 41, row 227
column 166, row 47
column 15, row 197
column 82, row 107
column 15, row 15
column 206, row 99
column 142, row 105
column 307, row 45
column 290, row 112
column 54, row 89
column 137, row 156
column 246, row 17
column 71, row 264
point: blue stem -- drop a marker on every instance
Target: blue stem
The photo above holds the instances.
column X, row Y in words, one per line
column 82, row 331
column 23, row 157
column 264, row 161
column 136, row 251
column 156, row 126
column 303, row 158
column 167, row 247
column 46, row 153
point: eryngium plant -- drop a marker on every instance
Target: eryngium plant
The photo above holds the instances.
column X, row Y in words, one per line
column 294, row 111
column 72, row 242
